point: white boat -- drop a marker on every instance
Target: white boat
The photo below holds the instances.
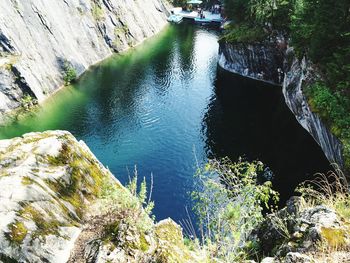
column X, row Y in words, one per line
column 202, row 21
column 175, row 19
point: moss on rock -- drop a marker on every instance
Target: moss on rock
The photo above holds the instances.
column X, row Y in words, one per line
column 17, row 232
column 171, row 247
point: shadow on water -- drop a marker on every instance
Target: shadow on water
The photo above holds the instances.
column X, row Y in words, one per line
column 154, row 105
column 250, row 119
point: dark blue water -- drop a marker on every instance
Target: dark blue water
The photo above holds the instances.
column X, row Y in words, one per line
column 165, row 106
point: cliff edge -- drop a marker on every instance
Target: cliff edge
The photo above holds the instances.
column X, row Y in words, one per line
column 59, row 204
column 278, row 65
column 38, row 37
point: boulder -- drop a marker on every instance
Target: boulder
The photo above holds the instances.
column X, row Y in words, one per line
column 58, row 203
column 270, row 260
column 294, row 230
column 297, row 258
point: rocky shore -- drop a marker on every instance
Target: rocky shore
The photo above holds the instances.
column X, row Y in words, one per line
column 38, row 38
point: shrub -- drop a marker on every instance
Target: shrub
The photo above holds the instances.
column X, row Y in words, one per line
column 18, row 232
column 128, row 210
column 330, row 189
column 131, row 202
column 245, row 34
column 229, row 205
column 333, row 108
column 97, row 12
column 27, row 101
column 69, row 73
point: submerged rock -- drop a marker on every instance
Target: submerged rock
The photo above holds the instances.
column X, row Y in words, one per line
column 59, row 204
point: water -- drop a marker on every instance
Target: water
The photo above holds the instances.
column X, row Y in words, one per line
column 165, row 106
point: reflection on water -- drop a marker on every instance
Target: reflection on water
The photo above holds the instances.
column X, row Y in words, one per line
column 157, row 104
column 251, row 120
column 143, row 108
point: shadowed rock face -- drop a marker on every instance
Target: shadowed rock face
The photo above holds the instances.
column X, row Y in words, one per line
column 36, row 37
column 265, row 62
column 258, row 61
column 299, row 74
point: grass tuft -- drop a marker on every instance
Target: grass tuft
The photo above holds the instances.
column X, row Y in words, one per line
column 17, row 232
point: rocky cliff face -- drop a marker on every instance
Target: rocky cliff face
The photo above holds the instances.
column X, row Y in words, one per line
column 251, row 60
column 294, row 234
column 59, row 204
column 299, row 74
column 258, row 61
column 38, row 36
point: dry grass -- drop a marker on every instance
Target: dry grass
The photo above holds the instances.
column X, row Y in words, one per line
column 331, row 190
column 327, row 256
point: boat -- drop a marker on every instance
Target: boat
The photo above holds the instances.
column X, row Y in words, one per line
column 175, row 19
column 202, row 21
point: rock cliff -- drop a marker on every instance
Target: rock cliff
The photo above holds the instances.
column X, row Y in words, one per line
column 258, row 61
column 37, row 37
column 266, row 62
column 303, row 233
column 59, row 204
column 299, row 74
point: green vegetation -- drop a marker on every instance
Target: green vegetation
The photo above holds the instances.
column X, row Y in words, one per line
column 119, row 33
column 26, row 180
column 172, row 247
column 121, row 30
column 331, row 190
column 229, row 205
column 181, row 3
column 125, row 205
column 244, row 33
column 27, row 102
column 319, row 30
column 82, row 171
column 97, row 11
column 17, row 232
column 44, row 226
column 333, row 107
column 254, row 20
column 80, row 10
column 128, row 204
column 69, row 73
column 7, row 259
column 131, row 225
column 230, row 202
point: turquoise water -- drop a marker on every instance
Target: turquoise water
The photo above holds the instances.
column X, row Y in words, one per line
column 164, row 106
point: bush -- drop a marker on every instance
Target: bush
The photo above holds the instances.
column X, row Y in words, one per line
column 229, row 205
column 69, row 73
column 331, row 190
column 97, row 12
column 333, row 108
column 27, row 102
column 245, row 34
